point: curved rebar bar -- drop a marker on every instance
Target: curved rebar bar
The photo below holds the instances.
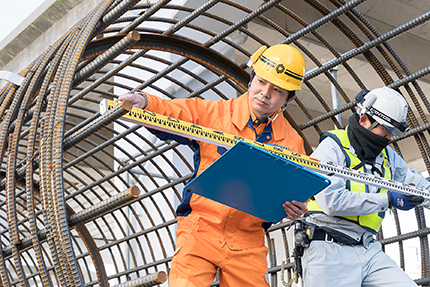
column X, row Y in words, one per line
column 64, row 218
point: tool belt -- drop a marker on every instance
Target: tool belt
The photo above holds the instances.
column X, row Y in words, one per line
column 304, row 233
column 320, row 234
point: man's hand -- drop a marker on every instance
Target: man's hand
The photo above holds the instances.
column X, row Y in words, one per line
column 403, row 202
column 294, row 209
column 137, row 100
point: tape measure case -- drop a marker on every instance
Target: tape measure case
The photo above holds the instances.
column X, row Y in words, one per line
column 256, row 182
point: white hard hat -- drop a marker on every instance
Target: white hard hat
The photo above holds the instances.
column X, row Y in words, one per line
column 387, row 107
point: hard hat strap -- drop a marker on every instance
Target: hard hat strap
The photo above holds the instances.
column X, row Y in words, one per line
column 281, row 111
column 373, row 125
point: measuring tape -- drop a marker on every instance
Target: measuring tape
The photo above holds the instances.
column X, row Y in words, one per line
column 174, row 126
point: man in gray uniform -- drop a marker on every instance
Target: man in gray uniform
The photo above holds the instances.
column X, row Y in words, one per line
column 344, row 217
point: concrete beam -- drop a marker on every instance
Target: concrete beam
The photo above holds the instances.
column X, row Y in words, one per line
column 42, row 32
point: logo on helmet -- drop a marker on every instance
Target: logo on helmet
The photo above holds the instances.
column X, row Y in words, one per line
column 279, row 68
column 381, row 115
column 386, row 118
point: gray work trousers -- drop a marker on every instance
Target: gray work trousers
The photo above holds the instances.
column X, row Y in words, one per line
column 330, row 264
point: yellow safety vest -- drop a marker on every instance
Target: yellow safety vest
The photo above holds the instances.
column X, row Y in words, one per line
column 371, row 222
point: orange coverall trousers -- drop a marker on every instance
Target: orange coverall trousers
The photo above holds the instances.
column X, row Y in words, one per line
column 199, row 254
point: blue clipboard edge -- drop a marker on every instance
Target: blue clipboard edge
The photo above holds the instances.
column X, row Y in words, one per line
column 275, row 161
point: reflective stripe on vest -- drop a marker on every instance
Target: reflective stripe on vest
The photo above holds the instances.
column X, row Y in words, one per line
column 371, row 222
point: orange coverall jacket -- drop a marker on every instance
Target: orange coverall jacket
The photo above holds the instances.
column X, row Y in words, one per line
column 239, row 230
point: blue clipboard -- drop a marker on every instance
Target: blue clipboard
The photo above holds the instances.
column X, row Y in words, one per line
column 257, row 182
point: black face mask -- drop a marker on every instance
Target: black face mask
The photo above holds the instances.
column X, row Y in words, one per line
column 366, row 144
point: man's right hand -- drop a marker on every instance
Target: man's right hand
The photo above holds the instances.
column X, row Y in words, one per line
column 137, row 100
column 403, row 202
column 294, row 209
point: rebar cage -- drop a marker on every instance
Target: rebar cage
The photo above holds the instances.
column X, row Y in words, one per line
column 89, row 200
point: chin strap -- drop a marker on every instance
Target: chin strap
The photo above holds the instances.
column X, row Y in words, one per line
column 291, row 97
column 270, row 117
column 281, row 111
column 373, row 125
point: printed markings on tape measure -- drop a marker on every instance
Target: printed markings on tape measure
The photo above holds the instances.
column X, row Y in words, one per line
column 181, row 128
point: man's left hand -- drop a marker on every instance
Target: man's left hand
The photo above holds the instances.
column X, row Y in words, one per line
column 403, row 202
column 137, row 100
column 294, row 209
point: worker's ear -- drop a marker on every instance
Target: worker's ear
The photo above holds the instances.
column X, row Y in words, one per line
column 251, row 77
column 363, row 120
column 291, row 97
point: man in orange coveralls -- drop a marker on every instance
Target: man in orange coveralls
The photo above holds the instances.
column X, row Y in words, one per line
column 210, row 235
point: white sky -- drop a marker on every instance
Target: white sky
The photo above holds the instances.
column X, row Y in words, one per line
column 15, row 15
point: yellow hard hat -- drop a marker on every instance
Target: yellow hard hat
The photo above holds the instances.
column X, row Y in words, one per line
column 281, row 65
